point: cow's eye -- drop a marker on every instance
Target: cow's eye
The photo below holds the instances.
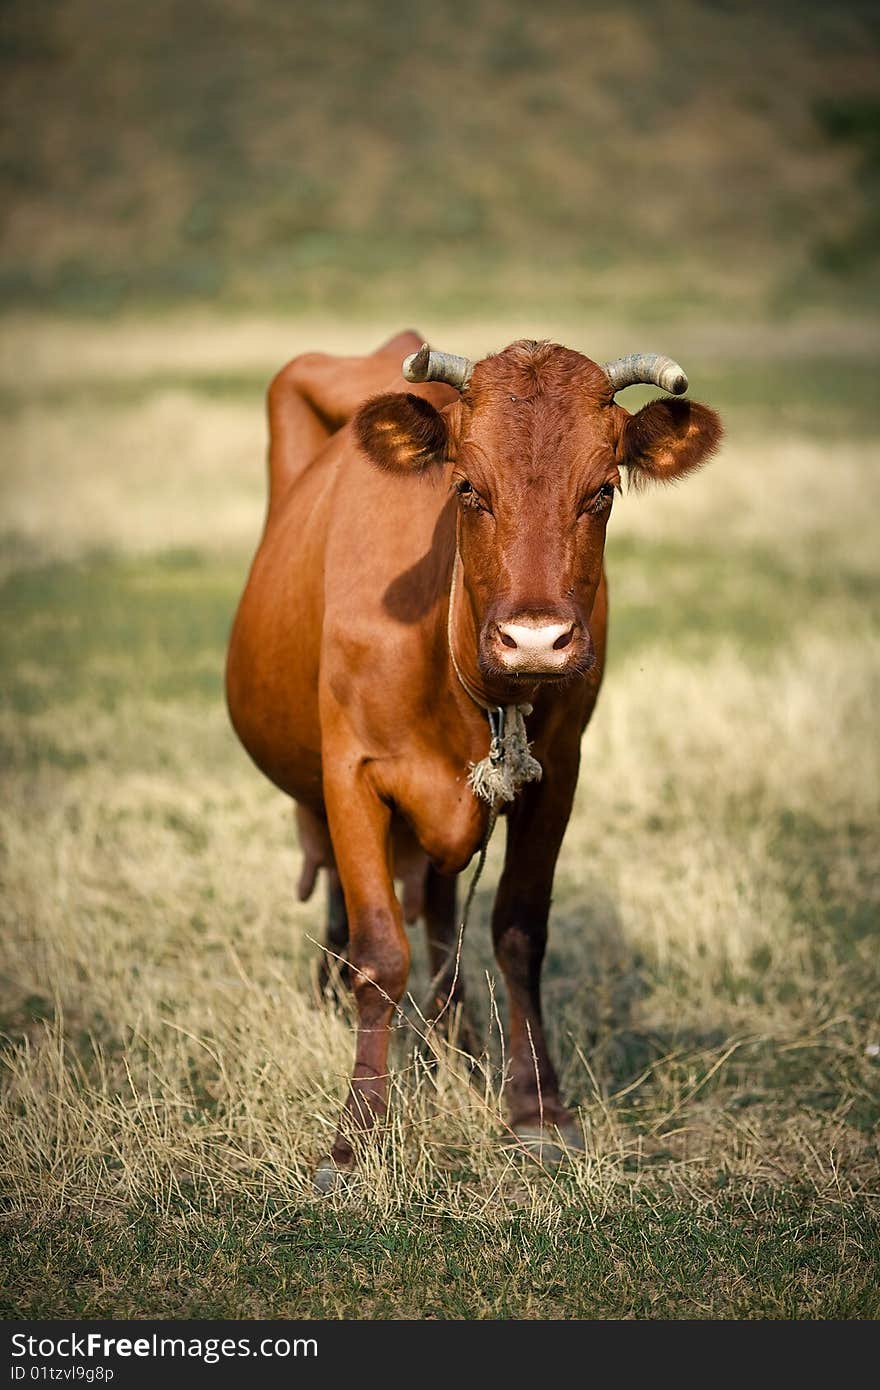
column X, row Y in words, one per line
column 469, row 495
column 603, row 499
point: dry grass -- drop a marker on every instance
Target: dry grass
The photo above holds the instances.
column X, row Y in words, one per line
column 73, row 352
column 150, row 916
column 712, row 983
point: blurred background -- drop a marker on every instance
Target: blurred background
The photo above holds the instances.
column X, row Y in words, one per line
column 682, row 158
column 193, row 193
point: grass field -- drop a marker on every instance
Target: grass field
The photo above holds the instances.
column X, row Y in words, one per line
column 713, row 978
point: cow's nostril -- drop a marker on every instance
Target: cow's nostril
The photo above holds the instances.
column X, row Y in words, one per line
column 531, row 646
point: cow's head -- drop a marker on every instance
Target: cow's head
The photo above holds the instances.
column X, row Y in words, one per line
column 536, row 446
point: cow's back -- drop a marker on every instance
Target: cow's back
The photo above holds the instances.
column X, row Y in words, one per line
column 353, row 566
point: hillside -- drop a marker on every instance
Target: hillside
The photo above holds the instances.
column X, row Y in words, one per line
column 672, row 158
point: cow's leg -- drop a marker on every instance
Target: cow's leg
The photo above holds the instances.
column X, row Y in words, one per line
column 314, row 394
column 379, row 952
column 317, row 852
column 297, row 431
column 333, row 969
column 536, row 826
column 447, row 1000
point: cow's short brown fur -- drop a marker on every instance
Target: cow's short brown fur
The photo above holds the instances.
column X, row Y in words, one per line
column 340, row 682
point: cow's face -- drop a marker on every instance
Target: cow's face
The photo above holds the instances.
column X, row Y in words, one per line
column 535, row 450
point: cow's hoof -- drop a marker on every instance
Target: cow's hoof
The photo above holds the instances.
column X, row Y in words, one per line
column 330, row 1177
column 550, row 1144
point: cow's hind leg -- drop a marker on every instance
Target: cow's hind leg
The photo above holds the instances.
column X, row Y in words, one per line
column 446, row 999
column 315, row 394
column 317, row 852
column 333, row 971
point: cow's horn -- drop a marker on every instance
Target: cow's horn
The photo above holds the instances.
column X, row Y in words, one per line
column 426, row 365
column 647, row 367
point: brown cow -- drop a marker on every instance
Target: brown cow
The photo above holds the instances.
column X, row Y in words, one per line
column 432, row 566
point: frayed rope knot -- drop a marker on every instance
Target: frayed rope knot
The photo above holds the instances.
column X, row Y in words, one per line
column 510, row 763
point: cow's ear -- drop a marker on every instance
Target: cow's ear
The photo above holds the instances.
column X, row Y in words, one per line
column 402, row 433
column 667, row 439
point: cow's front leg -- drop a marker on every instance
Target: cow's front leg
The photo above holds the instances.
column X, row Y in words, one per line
column 379, row 953
column 536, row 825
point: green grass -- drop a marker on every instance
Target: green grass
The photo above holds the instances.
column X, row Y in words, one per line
column 744, row 595
column 123, row 393
column 756, row 1254
column 109, row 627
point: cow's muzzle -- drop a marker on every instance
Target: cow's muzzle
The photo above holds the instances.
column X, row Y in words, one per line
column 542, row 647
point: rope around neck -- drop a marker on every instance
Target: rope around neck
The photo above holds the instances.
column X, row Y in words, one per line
column 509, row 764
